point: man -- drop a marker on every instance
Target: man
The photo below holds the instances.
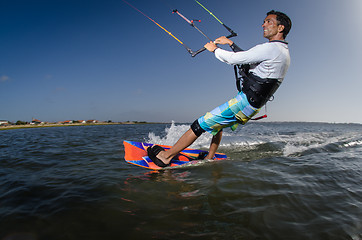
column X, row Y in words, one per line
column 263, row 69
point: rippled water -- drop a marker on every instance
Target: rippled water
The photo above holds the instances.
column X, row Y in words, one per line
column 281, row 181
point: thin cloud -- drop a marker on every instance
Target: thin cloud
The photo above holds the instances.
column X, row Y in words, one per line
column 48, row 77
column 60, row 89
column 139, row 92
column 4, row 78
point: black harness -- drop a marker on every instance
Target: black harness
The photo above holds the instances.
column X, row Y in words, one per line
column 258, row 90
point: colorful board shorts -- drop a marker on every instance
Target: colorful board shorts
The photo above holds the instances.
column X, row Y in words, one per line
column 230, row 114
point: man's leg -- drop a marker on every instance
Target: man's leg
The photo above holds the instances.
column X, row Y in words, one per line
column 215, row 142
column 186, row 140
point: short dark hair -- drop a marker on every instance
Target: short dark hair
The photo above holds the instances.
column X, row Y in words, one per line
column 284, row 20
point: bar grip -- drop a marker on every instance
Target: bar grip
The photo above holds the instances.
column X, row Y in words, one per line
column 198, row 51
column 193, row 54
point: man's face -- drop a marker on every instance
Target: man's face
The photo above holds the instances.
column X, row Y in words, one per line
column 270, row 26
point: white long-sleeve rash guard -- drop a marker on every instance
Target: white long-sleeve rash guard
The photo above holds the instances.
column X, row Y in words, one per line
column 267, row 60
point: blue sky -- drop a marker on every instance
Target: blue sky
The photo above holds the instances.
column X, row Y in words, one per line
column 79, row 60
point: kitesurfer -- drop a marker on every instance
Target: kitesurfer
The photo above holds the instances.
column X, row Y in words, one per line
column 263, row 70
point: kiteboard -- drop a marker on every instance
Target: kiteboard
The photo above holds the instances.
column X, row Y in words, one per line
column 136, row 154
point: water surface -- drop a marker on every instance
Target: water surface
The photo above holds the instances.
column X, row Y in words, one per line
column 281, row 181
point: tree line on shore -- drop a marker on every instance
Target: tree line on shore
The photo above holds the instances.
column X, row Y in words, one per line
column 19, row 122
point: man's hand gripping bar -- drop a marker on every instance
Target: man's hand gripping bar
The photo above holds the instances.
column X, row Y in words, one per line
column 193, row 54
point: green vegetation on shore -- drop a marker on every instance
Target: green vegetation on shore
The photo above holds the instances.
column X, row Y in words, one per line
column 27, row 125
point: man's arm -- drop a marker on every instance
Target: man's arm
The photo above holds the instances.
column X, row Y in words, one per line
column 224, row 40
column 236, row 48
column 256, row 54
column 211, row 46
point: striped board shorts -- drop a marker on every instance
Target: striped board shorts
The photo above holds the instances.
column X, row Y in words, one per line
column 230, row 114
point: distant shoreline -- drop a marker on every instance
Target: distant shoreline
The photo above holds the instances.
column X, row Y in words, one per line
column 8, row 127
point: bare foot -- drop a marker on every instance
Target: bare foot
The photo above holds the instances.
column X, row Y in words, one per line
column 163, row 157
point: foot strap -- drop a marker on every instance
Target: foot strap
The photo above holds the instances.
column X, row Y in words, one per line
column 202, row 155
column 152, row 153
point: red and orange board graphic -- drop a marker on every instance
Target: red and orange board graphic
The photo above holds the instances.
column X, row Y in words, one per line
column 136, row 154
